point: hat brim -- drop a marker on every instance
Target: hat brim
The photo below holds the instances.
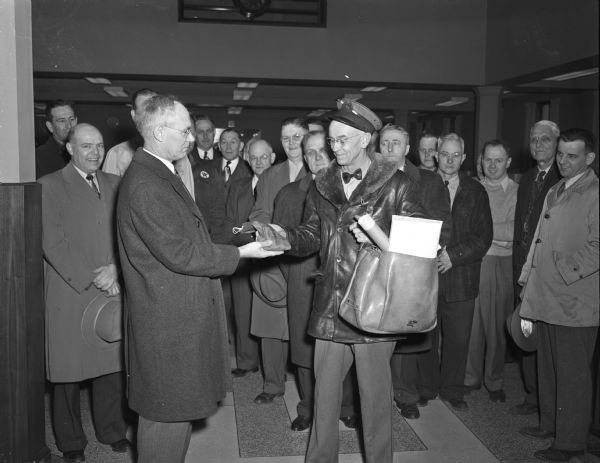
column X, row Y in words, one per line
column 270, row 286
column 513, row 325
column 102, row 309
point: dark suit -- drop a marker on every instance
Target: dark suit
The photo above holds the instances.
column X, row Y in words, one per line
column 409, row 356
column 525, row 225
column 50, row 157
column 238, row 206
column 472, row 232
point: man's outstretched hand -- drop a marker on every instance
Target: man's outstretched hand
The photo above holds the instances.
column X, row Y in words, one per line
column 257, row 250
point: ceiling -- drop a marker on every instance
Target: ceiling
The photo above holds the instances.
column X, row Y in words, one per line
column 298, row 96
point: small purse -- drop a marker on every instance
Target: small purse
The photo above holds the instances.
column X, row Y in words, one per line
column 391, row 293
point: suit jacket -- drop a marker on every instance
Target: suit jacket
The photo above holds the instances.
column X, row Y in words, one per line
column 209, row 192
column 214, row 163
column 78, row 237
column 299, row 271
column 472, row 233
column 434, row 197
column 269, row 184
column 522, row 240
column 241, row 171
column 50, row 157
column 176, row 339
column 238, row 205
column 561, row 271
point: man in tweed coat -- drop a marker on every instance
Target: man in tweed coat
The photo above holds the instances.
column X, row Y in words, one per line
column 176, row 342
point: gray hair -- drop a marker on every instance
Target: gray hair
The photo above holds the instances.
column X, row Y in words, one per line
column 549, row 124
column 155, row 109
column 400, row 129
column 452, row 137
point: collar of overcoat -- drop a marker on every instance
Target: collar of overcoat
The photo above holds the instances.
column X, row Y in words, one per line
column 162, row 171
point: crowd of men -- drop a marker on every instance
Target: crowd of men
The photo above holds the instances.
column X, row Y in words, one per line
column 158, row 226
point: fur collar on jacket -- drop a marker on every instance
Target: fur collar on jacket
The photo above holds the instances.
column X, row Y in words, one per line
column 329, row 181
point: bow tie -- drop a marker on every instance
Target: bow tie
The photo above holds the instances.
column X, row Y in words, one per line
column 347, row 176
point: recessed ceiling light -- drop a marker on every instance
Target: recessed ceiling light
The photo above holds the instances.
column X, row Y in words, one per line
column 241, row 94
column 116, row 92
column 98, row 80
column 455, row 100
column 373, row 89
column 247, row 84
column 234, row 110
column 573, row 75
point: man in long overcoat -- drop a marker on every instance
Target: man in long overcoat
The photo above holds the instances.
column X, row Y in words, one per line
column 80, row 264
column 176, row 341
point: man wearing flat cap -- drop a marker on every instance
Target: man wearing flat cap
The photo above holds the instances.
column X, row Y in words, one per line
column 358, row 183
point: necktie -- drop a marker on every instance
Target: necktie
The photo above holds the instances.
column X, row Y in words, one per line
column 347, row 176
column 227, row 171
column 446, row 184
column 206, row 158
column 90, row 179
column 539, row 180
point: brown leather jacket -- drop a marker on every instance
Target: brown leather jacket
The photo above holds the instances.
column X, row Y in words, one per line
column 383, row 192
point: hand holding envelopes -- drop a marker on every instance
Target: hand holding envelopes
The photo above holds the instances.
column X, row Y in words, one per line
column 396, row 292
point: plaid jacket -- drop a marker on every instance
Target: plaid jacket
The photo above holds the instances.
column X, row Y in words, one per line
column 472, row 232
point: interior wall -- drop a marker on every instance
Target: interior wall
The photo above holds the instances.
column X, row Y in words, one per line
column 528, row 36
column 572, row 110
column 422, row 41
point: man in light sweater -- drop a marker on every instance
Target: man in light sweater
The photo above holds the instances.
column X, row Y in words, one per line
column 485, row 362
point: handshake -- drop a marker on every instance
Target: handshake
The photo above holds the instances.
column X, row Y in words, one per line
column 272, row 238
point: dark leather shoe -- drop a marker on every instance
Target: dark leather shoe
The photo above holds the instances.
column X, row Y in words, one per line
column 458, row 404
column 497, row 396
column 265, row 398
column 121, row 446
column 525, row 409
column 553, row 454
column 301, row 423
column 349, row 421
column 73, row 456
column 409, row 411
column 241, row 372
column 535, row 432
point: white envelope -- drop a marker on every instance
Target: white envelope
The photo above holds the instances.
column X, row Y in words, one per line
column 415, row 236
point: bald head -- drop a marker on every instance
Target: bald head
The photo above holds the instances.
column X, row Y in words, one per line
column 260, row 156
column 86, row 147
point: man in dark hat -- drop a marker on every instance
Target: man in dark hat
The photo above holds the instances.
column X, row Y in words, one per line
column 358, row 183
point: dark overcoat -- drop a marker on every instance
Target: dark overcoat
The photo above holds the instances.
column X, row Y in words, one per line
column 176, row 341
column 299, row 272
column 78, row 237
column 383, row 192
column 525, row 220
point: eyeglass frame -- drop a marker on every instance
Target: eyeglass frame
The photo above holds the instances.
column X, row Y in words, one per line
column 186, row 132
column 453, row 156
column 332, row 141
column 296, row 138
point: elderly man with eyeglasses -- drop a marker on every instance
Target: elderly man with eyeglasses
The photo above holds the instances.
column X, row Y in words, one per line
column 358, row 182
column 459, row 265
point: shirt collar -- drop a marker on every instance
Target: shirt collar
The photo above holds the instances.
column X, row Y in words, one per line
column 83, row 174
column 169, row 164
column 232, row 164
column 572, row 180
